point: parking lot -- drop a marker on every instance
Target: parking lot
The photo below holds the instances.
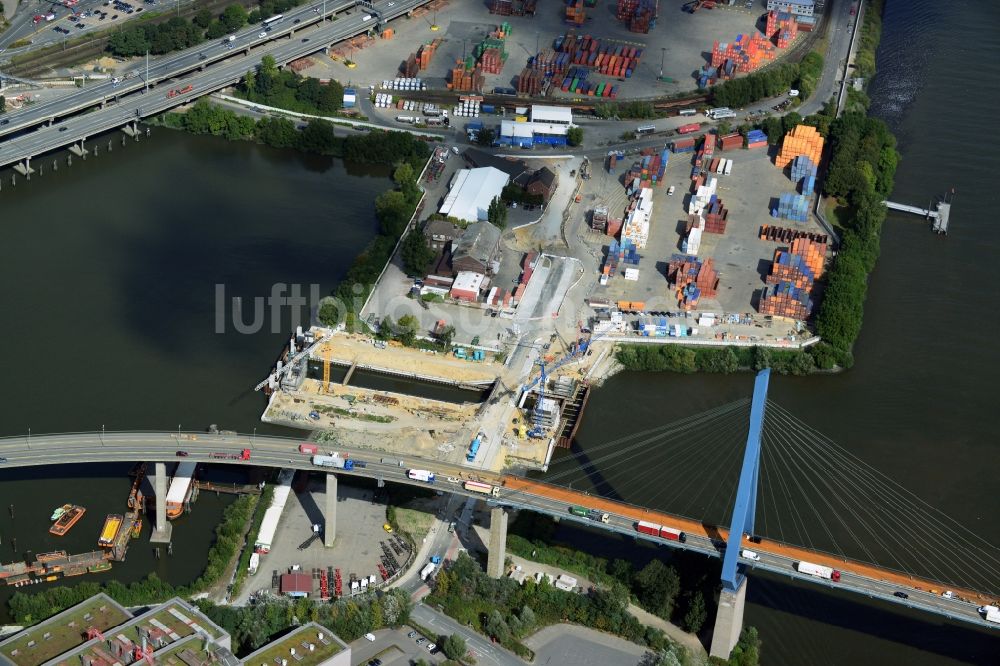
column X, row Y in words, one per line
column 357, row 549
column 741, row 258
column 679, row 41
column 395, row 646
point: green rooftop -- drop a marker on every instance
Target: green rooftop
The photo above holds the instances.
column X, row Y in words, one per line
column 62, row 632
column 299, row 640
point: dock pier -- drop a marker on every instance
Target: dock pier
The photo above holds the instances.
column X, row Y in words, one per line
column 939, row 215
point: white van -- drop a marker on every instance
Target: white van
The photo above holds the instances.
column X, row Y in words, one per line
column 749, row 555
column 370, row 637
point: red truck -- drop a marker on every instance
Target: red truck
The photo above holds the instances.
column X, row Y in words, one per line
column 222, row 455
column 652, row 529
column 311, row 449
column 687, row 129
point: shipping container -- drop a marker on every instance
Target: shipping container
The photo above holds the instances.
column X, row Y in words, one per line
column 818, row 570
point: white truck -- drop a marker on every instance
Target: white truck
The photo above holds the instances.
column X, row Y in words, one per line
column 427, row 571
column 818, row 570
column 991, row 613
column 420, row 475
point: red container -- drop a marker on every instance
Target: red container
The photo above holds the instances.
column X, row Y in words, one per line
column 648, row 528
column 688, row 129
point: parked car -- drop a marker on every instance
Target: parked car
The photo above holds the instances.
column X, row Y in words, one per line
column 182, row 454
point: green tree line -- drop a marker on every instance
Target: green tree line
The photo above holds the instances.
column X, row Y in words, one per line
column 771, row 82
column 350, row 619
column 286, row 89
column 30, row 607
column 686, row 360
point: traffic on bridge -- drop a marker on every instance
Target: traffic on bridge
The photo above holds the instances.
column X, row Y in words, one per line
column 507, row 491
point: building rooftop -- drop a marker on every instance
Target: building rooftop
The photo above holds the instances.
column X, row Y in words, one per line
column 545, row 176
column 478, row 242
column 296, row 583
column 312, row 644
column 551, row 114
column 511, row 167
column 62, row 632
column 471, row 192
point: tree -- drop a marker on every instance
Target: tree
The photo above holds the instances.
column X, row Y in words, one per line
column 497, row 627
column 405, row 177
column 234, row 17
column 415, row 253
column 497, row 213
column 393, row 212
column 574, row 135
column 329, row 312
column 406, row 329
column 747, row 649
column 202, row 19
column 454, row 647
column 385, row 328
column 696, row 614
column 658, row 586
column 446, row 335
column 129, row 42
column 621, row 570
column 277, row 132
column 318, row 137
column 486, row 136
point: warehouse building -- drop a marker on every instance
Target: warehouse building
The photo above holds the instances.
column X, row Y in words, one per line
column 467, row 286
column 548, row 124
column 797, row 7
column 471, row 192
column 478, row 250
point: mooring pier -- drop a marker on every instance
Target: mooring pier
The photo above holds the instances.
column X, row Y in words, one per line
column 938, row 215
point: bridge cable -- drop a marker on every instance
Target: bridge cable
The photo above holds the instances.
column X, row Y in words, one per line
column 797, row 523
column 917, row 516
column 923, row 517
column 619, row 455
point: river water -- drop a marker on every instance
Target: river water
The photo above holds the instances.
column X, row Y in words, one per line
column 110, row 304
column 916, row 405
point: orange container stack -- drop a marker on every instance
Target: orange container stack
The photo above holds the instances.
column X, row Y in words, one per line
column 466, row 80
column 743, row 55
column 802, row 140
column 530, row 81
column 782, row 27
column 791, row 268
column 575, row 14
column 812, row 251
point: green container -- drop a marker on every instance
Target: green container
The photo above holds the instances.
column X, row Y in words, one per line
column 600, row 90
column 470, row 62
column 573, row 86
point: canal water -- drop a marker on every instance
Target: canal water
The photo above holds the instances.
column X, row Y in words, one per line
column 917, row 404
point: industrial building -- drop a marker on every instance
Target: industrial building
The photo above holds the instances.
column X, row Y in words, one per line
column 101, row 632
column 471, row 191
column 478, row 250
column 797, row 7
column 547, row 124
column 467, row 286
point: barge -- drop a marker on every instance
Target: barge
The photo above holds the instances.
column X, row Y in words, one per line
column 67, row 520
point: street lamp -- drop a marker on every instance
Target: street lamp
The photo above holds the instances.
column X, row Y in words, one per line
column 663, row 54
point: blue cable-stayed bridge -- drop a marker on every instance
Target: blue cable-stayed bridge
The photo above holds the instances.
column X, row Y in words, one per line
column 883, row 516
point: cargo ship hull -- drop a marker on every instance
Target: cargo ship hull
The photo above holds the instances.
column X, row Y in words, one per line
column 110, row 530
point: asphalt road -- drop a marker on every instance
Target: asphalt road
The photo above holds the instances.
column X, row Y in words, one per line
column 137, row 105
column 282, row 452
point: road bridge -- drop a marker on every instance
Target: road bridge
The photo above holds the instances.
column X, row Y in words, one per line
column 514, row 492
column 124, row 104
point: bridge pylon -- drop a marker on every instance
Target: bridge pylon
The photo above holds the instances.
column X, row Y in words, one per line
column 162, row 528
column 729, row 618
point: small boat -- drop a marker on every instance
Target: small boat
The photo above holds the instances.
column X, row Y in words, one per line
column 70, row 517
column 60, row 511
column 137, row 528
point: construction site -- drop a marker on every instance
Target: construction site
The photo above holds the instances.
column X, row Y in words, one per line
column 589, row 48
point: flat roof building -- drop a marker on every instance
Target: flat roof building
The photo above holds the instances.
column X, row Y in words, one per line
column 309, row 645
column 558, row 115
column 471, row 192
column 467, row 285
column 798, row 7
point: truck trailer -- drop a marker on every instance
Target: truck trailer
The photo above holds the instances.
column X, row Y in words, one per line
column 991, row 613
column 592, row 514
column 311, row 449
column 420, row 475
column 479, row 487
column 333, row 461
column 427, row 571
column 818, row 570
column 669, row 533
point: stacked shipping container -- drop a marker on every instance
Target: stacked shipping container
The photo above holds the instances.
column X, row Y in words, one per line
column 608, row 57
column 575, row 14
column 804, row 174
column 743, row 55
column 683, row 270
column 792, row 207
column 785, row 300
column 731, row 142
column 786, row 235
column 782, row 28
column 756, row 139
column 802, row 140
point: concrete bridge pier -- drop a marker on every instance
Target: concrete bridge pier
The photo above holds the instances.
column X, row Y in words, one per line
column 24, row 168
column 728, row 621
column 330, row 528
column 498, row 543
column 129, row 129
column 79, row 149
column 162, row 528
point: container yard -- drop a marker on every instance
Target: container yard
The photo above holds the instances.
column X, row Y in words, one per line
column 467, row 38
column 719, row 249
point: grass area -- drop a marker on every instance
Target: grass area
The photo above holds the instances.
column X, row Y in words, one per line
column 62, row 636
column 837, row 214
column 299, row 640
column 415, row 522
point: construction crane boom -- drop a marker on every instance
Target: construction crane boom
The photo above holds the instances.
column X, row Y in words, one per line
column 293, row 361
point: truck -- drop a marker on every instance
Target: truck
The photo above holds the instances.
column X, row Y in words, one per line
column 991, row 613
column 485, row 488
column 427, row 571
column 652, row 529
column 818, row 570
column 224, row 455
column 592, row 514
column 229, row 40
column 311, row 449
column 470, row 455
column 406, row 119
column 333, row 461
column 420, row 475
column 688, row 129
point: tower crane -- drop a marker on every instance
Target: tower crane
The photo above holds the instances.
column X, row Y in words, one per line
column 293, row 361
